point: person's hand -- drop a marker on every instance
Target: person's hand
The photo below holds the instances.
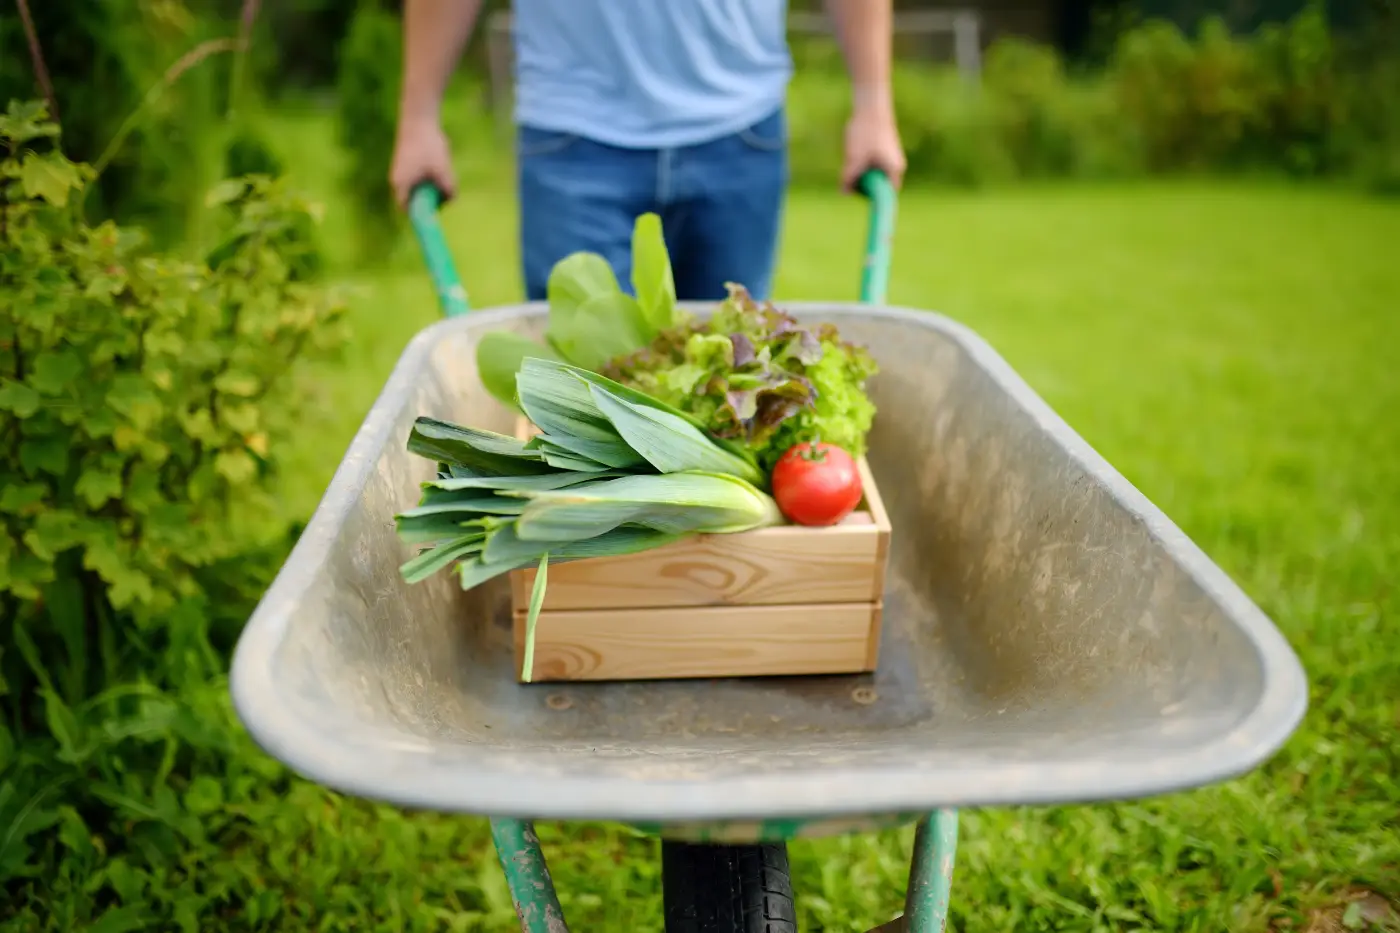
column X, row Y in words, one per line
column 421, row 154
column 872, row 142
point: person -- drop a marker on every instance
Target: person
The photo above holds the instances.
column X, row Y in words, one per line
column 629, row 106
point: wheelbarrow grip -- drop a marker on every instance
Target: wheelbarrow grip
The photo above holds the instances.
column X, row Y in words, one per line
column 423, row 204
column 425, row 199
column 875, row 277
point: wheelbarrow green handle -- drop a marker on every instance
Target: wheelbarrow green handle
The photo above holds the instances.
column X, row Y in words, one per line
column 423, row 204
column 425, row 200
column 875, row 275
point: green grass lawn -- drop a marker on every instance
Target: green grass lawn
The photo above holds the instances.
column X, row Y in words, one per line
column 1231, row 349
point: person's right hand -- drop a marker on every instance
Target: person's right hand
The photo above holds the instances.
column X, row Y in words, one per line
column 421, row 154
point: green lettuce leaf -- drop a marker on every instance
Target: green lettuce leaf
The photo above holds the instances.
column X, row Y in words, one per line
column 753, row 375
column 591, row 319
column 499, row 354
column 651, row 275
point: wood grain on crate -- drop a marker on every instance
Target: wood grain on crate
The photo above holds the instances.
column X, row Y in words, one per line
column 724, row 641
column 765, row 567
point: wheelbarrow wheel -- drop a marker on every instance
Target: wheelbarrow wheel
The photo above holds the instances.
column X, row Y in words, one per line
column 726, row 889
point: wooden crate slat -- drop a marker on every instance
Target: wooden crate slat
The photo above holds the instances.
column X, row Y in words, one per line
column 728, row 641
column 764, row 567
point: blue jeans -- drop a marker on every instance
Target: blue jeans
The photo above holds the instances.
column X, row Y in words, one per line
column 720, row 205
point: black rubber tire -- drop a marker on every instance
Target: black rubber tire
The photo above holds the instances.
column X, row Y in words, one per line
column 726, row 889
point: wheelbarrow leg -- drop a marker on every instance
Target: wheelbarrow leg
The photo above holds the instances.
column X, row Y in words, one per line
column 527, row 876
column 931, row 873
column 930, row 876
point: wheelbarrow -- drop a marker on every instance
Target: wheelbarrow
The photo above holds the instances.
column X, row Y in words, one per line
column 1049, row 637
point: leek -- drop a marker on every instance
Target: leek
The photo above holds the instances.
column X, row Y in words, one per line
column 615, row 472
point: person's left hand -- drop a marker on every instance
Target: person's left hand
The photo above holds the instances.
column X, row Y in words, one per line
column 872, row 142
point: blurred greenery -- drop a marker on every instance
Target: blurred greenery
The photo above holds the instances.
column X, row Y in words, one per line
column 1198, row 189
column 367, row 103
column 1284, row 100
column 1294, row 97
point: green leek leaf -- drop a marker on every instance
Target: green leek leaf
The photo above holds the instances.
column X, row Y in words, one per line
column 668, row 443
column 430, row 529
column 505, row 546
column 625, row 539
column 512, row 483
column 474, row 572
column 483, row 452
column 536, row 373
column 568, row 460
column 675, row 503
column 613, row 454
column 532, row 618
column 430, row 562
column 560, row 405
column 468, row 505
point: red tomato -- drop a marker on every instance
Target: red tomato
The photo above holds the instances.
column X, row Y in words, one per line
column 816, row 484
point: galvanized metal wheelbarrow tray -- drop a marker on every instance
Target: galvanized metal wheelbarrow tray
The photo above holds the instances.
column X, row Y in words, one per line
column 1050, row 636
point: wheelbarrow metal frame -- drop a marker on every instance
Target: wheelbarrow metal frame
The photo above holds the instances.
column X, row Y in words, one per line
column 517, row 845
column 1242, row 713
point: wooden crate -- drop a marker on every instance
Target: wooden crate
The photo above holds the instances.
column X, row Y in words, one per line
column 782, row 600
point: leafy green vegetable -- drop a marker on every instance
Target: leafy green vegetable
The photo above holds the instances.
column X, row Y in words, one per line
column 481, row 452
column 430, row 562
column 523, row 483
column 563, row 392
column 575, row 453
column 669, row 442
column 591, row 319
column 532, row 618
column 671, row 503
column 615, row 473
column 752, row 374
column 751, row 378
column 498, row 358
column 651, row 274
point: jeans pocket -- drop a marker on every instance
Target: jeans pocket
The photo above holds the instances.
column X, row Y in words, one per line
column 768, row 134
column 531, row 142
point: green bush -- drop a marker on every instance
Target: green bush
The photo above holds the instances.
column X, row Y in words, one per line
column 817, row 107
column 1024, row 119
column 144, row 397
column 951, row 130
column 1270, row 100
column 1282, row 99
column 104, row 57
column 366, row 117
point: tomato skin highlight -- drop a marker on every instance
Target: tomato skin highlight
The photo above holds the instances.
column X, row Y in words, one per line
column 816, row 484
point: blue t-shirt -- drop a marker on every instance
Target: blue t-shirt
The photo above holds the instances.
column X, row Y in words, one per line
column 649, row 73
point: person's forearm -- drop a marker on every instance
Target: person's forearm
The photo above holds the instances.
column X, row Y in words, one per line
column 434, row 34
column 865, row 32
